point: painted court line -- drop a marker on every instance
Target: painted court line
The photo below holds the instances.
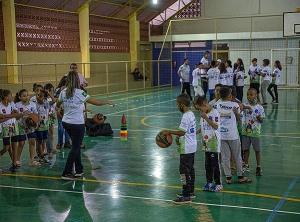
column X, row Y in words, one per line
column 283, row 198
column 153, row 104
column 152, row 185
column 147, row 198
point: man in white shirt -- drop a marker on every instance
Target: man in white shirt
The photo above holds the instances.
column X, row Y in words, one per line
column 83, row 82
column 204, row 70
column 184, row 75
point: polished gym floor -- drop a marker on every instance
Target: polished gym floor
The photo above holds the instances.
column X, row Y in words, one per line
column 135, row 180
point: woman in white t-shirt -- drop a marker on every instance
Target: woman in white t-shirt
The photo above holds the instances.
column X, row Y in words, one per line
column 223, row 74
column 240, row 76
column 73, row 99
column 275, row 81
column 266, row 74
column 228, row 65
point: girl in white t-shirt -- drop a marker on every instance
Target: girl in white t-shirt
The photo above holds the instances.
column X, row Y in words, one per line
column 240, row 76
column 36, row 89
column 275, row 81
column 8, row 114
column 213, row 79
column 228, row 65
column 73, row 99
column 266, row 74
column 223, row 74
column 24, row 108
column 52, row 119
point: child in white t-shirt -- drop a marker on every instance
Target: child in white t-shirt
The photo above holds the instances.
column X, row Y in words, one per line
column 217, row 96
column 187, row 143
column 266, row 74
column 209, row 123
column 230, row 142
column 213, row 78
column 251, row 129
column 197, row 83
column 240, row 76
column 275, row 81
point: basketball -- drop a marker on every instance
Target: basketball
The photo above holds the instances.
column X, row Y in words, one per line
column 163, row 142
column 32, row 120
column 99, row 118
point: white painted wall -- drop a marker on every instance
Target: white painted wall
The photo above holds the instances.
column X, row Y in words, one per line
column 217, row 8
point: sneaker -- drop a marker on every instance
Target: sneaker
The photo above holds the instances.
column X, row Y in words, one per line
column 44, row 160
column 258, row 171
column 182, row 200
column 68, row 177
column 276, row 102
column 192, row 195
column 67, row 145
column 273, row 101
column 13, row 168
column 207, row 186
column 216, row 188
column 246, row 168
column 59, row 145
column 79, row 174
column 264, row 104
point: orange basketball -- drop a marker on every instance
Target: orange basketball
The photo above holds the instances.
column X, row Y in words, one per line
column 99, row 118
column 163, row 141
column 32, row 120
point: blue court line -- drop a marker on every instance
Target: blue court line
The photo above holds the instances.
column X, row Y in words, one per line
column 276, row 209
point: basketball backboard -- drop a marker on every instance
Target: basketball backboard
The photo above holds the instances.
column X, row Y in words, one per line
column 291, row 24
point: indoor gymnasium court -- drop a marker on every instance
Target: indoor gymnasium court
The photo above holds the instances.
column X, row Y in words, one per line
column 131, row 178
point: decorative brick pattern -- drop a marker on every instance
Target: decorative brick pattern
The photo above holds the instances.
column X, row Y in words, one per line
column 144, row 31
column 46, row 30
column 109, row 35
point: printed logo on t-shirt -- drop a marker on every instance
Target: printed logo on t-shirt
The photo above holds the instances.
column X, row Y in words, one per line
column 84, row 94
column 3, row 111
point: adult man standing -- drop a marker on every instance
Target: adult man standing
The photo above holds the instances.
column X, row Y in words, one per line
column 184, row 75
column 203, row 71
column 83, row 82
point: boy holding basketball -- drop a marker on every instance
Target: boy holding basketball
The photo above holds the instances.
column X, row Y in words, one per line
column 187, row 147
column 211, row 142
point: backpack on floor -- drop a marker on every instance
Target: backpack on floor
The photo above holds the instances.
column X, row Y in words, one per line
column 96, row 126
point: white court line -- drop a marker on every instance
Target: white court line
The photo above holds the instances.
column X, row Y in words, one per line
column 149, row 198
column 292, row 137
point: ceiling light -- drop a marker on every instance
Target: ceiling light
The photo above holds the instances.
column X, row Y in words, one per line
column 155, row 2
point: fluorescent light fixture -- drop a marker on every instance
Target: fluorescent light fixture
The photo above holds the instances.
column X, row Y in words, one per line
column 155, row 2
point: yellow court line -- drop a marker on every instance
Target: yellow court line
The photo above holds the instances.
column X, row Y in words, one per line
column 153, row 185
column 143, row 121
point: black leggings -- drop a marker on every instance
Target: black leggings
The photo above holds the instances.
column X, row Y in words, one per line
column 275, row 91
column 239, row 93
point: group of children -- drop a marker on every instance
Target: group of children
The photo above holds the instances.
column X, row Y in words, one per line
column 228, row 128
column 13, row 128
column 218, row 72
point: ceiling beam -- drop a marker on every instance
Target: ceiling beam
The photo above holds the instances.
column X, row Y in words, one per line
column 63, row 4
column 138, row 9
column 121, row 8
